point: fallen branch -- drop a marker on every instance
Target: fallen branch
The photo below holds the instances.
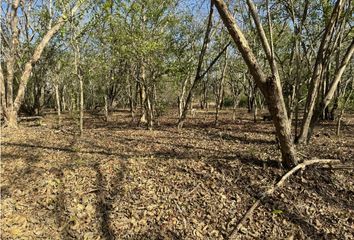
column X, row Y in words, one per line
column 31, row 118
column 338, row 167
column 271, row 190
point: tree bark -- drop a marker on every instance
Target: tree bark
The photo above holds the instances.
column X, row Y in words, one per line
column 199, row 67
column 331, row 90
column 10, row 63
column 2, row 92
column 29, row 65
column 269, row 86
column 338, row 75
column 317, row 72
column 143, row 96
column 14, row 105
column 106, row 113
column 57, row 98
column 219, row 96
column 182, row 97
column 235, row 96
column 81, row 104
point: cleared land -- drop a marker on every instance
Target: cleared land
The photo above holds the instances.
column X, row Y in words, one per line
column 120, row 181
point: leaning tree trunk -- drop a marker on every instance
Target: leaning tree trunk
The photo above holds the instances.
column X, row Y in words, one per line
column 198, row 76
column 11, row 113
column 269, row 86
column 328, row 95
column 317, row 73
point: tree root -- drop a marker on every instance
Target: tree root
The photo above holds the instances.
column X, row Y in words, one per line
column 271, row 190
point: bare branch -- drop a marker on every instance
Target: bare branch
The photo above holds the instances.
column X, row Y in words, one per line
column 271, row 190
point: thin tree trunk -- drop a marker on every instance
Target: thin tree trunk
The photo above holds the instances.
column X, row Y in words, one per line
column 57, row 98
column 131, row 101
column 343, row 108
column 339, row 122
column 150, row 113
column 255, row 107
column 78, row 74
column 81, row 104
column 41, row 100
column 235, row 98
column 2, row 91
column 199, row 67
column 143, row 96
column 106, row 112
column 219, row 96
column 204, row 95
column 63, row 100
column 318, row 72
column 181, row 97
column 10, row 64
column 12, row 112
column 331, row 90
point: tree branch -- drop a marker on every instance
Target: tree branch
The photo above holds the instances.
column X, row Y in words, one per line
column 271, row 190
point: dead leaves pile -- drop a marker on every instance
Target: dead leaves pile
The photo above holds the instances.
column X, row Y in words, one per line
column 135, row 184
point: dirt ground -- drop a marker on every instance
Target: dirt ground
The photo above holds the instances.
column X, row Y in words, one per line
column 120, row 181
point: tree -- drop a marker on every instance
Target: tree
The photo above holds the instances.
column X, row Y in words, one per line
column 323, row 56
column 11, row 106
column 269, row 86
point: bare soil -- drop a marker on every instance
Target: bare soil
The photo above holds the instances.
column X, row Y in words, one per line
column 121, row 181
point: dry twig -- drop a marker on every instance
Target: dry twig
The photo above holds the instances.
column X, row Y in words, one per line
column 271, row 190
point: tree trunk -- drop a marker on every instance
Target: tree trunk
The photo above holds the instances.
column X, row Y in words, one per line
column 204, row 103
column 317, row 73
column 235, row 98
column 339, row 123
column 81, row 104
column 63, row 100
column 235, row 104
column 220, row 91
column 131, row 102
column 269, row 86
column 41, row 100
column 106, row 113
column 2, row 90
column 143, row 96
column 11, row 119
column 181, row 101
column 10, row 64
column 150, row 113
column 199, row 68
column 255, row 109
column 15, row 104
column 57, row 98
column 330, row 92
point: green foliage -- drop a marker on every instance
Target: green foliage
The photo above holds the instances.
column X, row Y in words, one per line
column 228, row 102
column 243, row 101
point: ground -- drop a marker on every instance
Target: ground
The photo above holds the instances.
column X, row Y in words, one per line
column 120, row 181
